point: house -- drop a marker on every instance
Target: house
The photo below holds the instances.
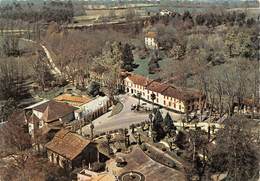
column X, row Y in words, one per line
column 166, row 12
column 49, row 114
column 150, row 40
column 70, row 150
column 173, row 98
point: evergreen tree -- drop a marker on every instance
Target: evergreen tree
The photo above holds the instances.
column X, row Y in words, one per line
column 168, row 124
column 127, row 58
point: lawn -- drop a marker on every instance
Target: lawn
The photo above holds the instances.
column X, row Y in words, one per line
column 117, row 109
column 142, row 69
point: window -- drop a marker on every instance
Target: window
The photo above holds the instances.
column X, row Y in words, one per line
column 164, row 102
column 179, row 107
column 174, row 105
column 170, row 104
column 157, row 100
column 147, row 97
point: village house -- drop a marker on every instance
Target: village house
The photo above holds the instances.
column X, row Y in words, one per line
column 173, row 98
column 49, row 114
column 150, row 40
column 70, row 150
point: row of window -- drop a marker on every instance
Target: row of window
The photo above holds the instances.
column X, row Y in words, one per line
column 170, row 105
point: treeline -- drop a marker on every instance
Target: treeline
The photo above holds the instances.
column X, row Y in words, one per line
column 209, row 19
column 58, row 11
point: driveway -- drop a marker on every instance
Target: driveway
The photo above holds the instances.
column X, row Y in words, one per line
column 122, row 120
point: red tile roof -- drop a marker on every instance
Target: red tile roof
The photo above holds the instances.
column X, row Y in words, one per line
column 67, row 144
column 53, row 110
column 139, row 79
column 157, row 86
column 151, row 34
column 181, row 93
column 33, row 119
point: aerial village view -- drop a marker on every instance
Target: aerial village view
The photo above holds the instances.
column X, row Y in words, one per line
column 129, row 90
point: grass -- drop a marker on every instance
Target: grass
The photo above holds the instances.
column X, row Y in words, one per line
column 142, row 69
column 117, row 109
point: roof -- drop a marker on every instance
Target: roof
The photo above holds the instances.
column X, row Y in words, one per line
column 181, row 93
column 33, row 119
column 67, row 144
column 74, row 100
column 53, row 110
column 157, row 86
column 138, row 79
column 36, row 104
column 151, row 34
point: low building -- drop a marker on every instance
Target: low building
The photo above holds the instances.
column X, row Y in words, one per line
column 49, row 114
column 87, row 107
column 178, row 99
column 150, row 40
column 70, row 150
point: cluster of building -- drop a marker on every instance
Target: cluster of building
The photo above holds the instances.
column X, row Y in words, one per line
column 47, row 122
column 173, row 98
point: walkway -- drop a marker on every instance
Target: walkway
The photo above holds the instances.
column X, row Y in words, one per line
column 54, row 69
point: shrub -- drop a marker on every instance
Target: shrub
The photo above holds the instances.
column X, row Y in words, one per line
column 143, row 147
column 98, row 167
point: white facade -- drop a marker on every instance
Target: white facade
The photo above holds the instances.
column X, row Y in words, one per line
column 150, row 43
column 161, row 99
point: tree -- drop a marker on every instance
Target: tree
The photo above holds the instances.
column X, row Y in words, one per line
column 127, row 57
column 41, row 72
column 153, row 97
column 7, row 108
column 12, row 80
column 10, row 46
column 157, row 128
column 94, row 88
column 236, row 152
column 168, row 124
column 110, row 60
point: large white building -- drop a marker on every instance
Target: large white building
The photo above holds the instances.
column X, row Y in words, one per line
column 176, row 99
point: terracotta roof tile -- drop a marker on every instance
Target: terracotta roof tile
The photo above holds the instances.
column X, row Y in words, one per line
column 151, row 34
column 139, row 80
column 157, row 86
column 67, row 144
column 34, row 119
column 181, row 93
column 73, row 100
column 53, row 110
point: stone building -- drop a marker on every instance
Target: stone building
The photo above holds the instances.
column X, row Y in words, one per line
column 70, row 150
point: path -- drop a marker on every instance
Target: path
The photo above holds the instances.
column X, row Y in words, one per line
column 54, row 69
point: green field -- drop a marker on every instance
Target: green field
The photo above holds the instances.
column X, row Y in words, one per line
column 142, row 69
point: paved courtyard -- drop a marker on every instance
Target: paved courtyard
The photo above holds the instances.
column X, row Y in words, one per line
column 127, row 117
column 152, row 170
column 122, row 120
